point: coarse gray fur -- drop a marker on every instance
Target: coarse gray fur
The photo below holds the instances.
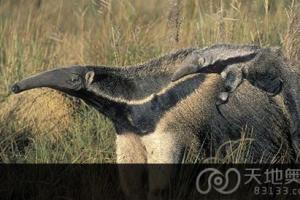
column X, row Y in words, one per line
column 157, row 120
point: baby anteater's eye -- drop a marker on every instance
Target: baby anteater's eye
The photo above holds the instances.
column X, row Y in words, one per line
column 201, row 61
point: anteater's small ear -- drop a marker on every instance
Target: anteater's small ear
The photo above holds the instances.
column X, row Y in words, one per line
column 89, row 77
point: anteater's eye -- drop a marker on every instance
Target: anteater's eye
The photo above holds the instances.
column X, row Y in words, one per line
column 75, row 78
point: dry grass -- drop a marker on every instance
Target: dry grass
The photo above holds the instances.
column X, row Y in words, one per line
column 292, row 38
column 37, row 35
column 40, row 111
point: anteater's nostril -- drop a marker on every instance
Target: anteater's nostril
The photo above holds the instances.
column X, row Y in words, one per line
column 15, row 88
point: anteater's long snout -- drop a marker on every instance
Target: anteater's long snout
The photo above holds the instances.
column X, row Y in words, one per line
column 49, row 79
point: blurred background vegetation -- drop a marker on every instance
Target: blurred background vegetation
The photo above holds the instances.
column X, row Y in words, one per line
column 35, row 35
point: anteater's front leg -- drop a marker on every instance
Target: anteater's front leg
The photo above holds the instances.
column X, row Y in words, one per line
column 162, row 148
column 133, row 178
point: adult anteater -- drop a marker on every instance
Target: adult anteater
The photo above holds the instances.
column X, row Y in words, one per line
column 157, row 120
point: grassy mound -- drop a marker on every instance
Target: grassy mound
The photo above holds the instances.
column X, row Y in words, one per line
column 42, row 126
column 38, row 111
column 30, row 116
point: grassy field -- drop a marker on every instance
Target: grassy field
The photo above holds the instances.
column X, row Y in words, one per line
column 46, row 126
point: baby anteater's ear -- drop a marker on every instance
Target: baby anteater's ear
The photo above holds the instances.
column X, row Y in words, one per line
column 89, row 77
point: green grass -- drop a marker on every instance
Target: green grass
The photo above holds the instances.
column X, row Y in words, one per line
column 62, row 33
